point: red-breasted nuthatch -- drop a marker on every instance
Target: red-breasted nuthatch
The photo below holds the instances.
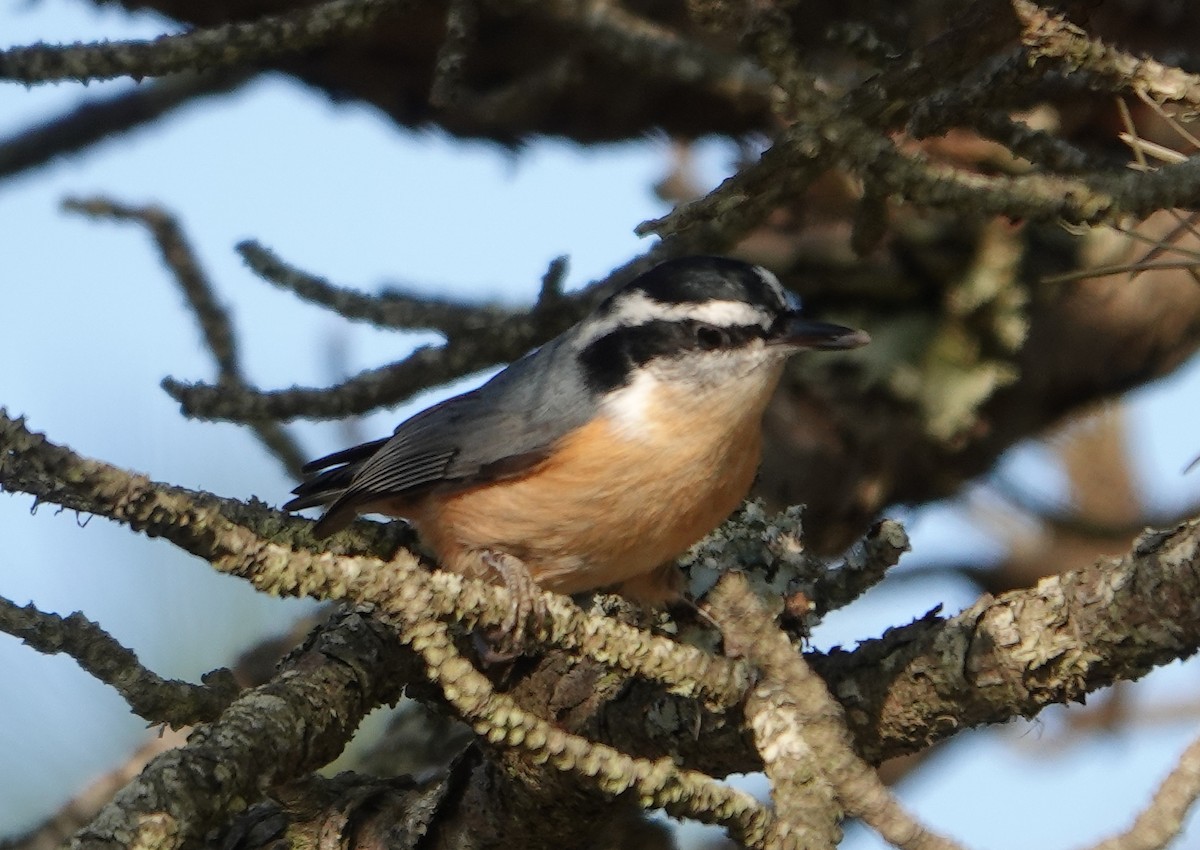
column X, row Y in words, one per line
column 600, row 457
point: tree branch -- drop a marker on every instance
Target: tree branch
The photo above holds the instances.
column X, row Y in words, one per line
column 1162, row 820
column 916, row 685
column 1051, row 36
column 274, row 733
column 101, row 118
column 811, row 729
column 477, row 338
column 390, row 309
column 499, row 720
column 215, row 323
column 158, row 700
column 225, row 46
column 402, row 589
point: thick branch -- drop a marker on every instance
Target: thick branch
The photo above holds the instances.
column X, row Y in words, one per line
column 1017, row 653
column 927, row 681
column 279, row 731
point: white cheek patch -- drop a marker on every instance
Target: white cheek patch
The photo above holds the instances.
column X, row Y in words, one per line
column 631, row 408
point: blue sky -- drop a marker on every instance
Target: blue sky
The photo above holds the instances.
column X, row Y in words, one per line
column 336, row 190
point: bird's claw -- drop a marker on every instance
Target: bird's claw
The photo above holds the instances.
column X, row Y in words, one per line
column 528, row 614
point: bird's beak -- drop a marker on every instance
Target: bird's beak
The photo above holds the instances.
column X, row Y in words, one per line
column 798, row 332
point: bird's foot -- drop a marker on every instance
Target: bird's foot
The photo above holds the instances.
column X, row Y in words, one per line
column 528, row 613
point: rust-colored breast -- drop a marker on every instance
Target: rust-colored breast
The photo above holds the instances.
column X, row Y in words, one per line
column 608, row 506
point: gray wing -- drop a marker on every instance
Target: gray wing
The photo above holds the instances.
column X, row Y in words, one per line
column 498, row 430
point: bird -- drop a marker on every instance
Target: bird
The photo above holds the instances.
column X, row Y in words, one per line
column 597, row 459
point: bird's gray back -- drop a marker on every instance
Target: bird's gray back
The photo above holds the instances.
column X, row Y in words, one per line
column 498, row 430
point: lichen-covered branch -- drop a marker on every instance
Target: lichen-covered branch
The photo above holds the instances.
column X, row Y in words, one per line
column 1052, row 36
column 401, row 588
column 806, row 813
column 809, row 731
column 916, row 685
column 279, row 731
column 56, row 830
column 657, row 784
column 156, row 699
column 865, row 565
column 1014, row 654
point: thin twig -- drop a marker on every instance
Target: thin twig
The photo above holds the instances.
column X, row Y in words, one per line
column 477, row 338
column 1162, row 820
column 224, row 46
column 157, row 700
column 390, row 309
column 213, row 318
column 100, row 118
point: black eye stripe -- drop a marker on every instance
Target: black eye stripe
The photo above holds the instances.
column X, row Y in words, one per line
column 609, row 361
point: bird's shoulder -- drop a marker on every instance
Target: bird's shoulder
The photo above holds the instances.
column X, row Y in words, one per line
column 497, row 430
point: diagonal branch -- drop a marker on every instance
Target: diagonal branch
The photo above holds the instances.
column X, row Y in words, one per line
column 100, row 118
column 214, row 320
column 1052, row 36
column 158, row 700
column 817, row 734
column 1162, row 820
column 385, row 386
column 477, row 338
column 498, row 719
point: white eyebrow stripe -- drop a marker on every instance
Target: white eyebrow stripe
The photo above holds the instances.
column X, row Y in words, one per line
column 637, row 308
column 772, row 282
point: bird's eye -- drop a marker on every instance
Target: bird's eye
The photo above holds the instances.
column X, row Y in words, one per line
column 708, row 337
